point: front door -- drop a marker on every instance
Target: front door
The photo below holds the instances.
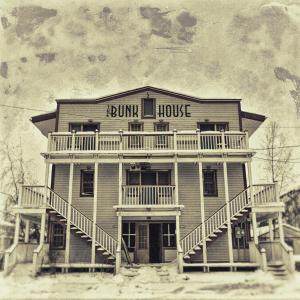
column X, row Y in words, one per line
column 142, row 245
column 155, row 241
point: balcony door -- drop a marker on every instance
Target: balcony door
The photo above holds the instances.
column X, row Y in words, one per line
column 142, row 246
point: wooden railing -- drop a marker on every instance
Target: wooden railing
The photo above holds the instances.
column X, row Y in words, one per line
column 40, row 257
column 78, row 219
column 131, row 141
column 148, row 195
column 10, row 259
column 266, row 194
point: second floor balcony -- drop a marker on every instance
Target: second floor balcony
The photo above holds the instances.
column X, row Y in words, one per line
column 140, row 142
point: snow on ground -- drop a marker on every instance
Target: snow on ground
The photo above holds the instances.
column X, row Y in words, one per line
column 148, row 283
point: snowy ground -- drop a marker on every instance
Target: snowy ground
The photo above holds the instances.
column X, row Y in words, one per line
column 148, row 283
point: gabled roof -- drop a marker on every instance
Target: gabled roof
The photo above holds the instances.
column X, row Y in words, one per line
column 146, row 89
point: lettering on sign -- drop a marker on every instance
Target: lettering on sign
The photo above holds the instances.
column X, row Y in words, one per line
column 176, row 111
column 164, row 111
column 122, row 111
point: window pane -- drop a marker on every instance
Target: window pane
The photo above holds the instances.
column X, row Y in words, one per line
column 87, row 184
column 90, row 127
column 210, row 182
column 132, row 228
column 161, row 127
column 76, row 127
column 207, row 127
column 133, row 178
column 148, row 108
column 172, row 228
column 172, row 241
column 142, row 236
column 135, row 127
column 222, row 126
column 125, row 227
column 163, row 178
column 165, row 228
column 132, row 241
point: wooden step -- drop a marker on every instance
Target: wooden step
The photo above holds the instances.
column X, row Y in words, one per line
column 53, row 212
column 111, row 258
column 218, row 231
column 79, row 231
column 244, row 210
column 100, row 249
column 73, row 228
column 238, row 215
column 105, row 253
column 197, row 248
column 213, row 235
column 62, row 220
column 186, row 257
column 223, row 226
column 192, row 252
column 89, row 240
column 208, row 239
column 84, row 236
column 234, row 218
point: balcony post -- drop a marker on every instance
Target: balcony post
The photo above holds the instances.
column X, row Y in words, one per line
column 96, row 169
column 246, row 139
column 73, row 140
column 229, row 235
column 121, row 140
column 176, row 180
column 175, row 139
column 253, row 214
column 70, row 195
column 96, row 139
column 271, row 231
column 43, row 228
column 46, row 184
column 202, row 212
column 49, row 144
column 120, row 181
column 198, row 132
column 223, row 139
column 119, row 245
column 280, row 223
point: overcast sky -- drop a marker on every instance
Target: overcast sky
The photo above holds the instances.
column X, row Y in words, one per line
column 72, row 49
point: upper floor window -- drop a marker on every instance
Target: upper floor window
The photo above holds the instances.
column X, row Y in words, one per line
column 161, row 126
column 87, row 183
column 84, row 126
column 148, row 108
column 210, row 183
column 207, row 126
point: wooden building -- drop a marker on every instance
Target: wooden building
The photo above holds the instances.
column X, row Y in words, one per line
column 163, row 175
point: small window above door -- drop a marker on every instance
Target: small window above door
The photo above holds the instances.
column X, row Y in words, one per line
column 148, row 108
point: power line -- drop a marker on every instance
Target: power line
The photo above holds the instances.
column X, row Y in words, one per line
column 276, row 160
column 80, row 115
column 279, row 147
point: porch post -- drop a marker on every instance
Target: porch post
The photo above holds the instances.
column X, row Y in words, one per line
column 280, row 223
column 17, row 229
column 70, row 195
column 43, row 228
column 253, row 214
column 176, row 181
column 229, row 236
column 46, row 184
column 27, row 229
column 271, row 232
column 93, row 256
column 202, row 212
column 119, row 239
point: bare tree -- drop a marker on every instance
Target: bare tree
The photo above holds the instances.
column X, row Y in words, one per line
column 14, row 172
column 277, row 160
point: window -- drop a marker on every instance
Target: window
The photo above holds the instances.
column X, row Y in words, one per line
column 128, row 233
column 149, row 178
column 210, row 183
column 161, row 141
column 84, row 126
column 143, row 236
column 57, row 240
column 212, row 126
column 87, row 183
column 135, row 141
column 169, row 236
column 148, row 108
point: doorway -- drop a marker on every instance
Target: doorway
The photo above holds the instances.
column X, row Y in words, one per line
column 155, row 242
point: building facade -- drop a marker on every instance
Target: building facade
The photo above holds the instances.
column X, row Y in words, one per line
column 149, row 176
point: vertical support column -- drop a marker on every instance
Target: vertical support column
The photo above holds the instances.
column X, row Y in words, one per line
column 253, row 214
column 68, row 232
column 27, row 229
column 202, row 212
column 43, row 228
column 17, row 229
column 95, row 202
column 46, row 184
column 280, row 223
column 271, row 231
column 119, row 239
column 179, row 249
column 176, row 180
column 229, row 235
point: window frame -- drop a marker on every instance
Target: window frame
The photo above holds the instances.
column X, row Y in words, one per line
column 168, row 172
column 169, row 235
column 215, row 125
column 82, row 193
column 215, row 194
column 81, row 124
column 128, row 235
column 154, row 109
column 52, row 236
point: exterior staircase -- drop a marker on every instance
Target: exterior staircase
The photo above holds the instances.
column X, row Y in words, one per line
column 81, row 225
column 218, row 222
column 278, row 269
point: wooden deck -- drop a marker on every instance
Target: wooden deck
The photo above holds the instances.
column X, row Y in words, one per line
column 221, row 266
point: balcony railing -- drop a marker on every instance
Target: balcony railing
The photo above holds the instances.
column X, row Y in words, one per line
column 168, row 141
column 134, row 195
